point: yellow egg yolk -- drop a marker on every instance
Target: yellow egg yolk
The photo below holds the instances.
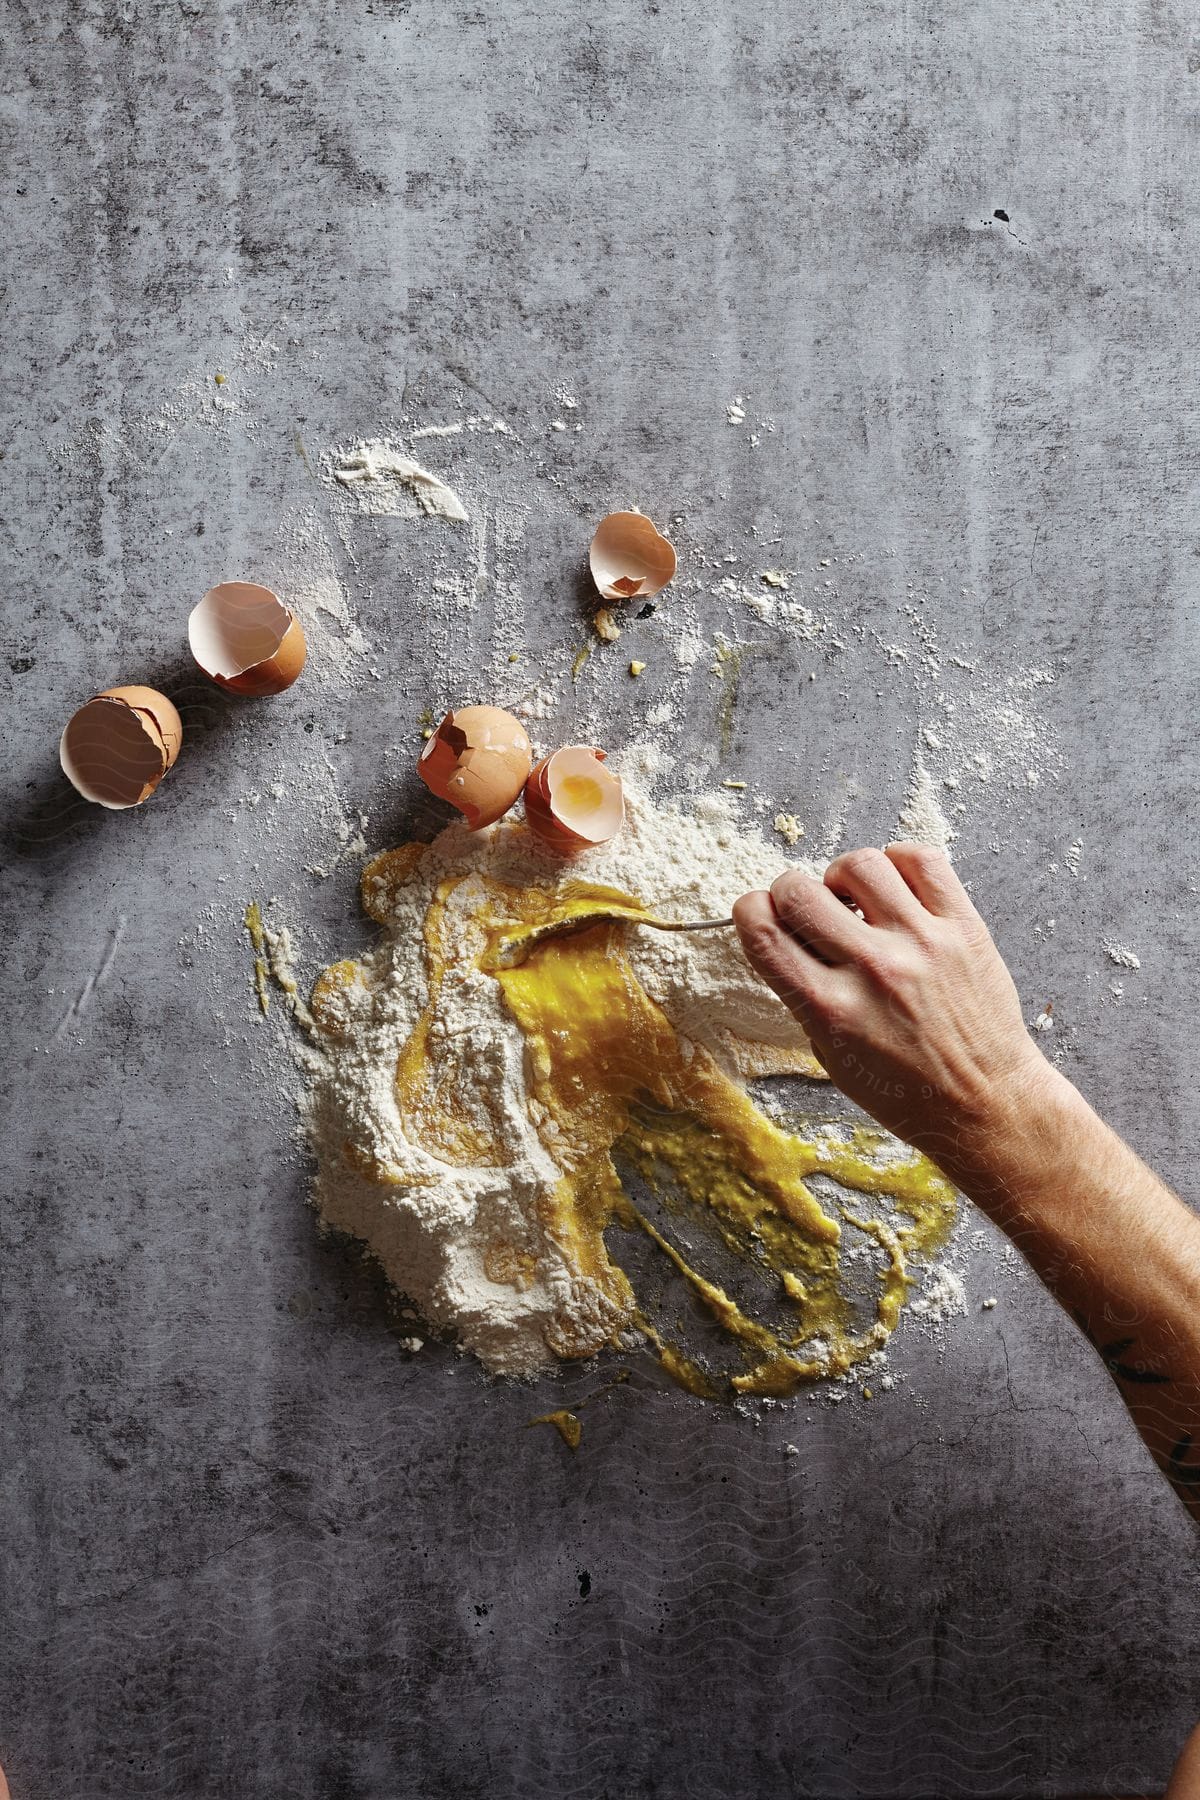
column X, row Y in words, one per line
column 578, row 795
column 610, row 1073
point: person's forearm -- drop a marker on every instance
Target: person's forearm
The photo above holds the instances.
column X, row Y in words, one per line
column 909, row 1007
column 1115, row 1246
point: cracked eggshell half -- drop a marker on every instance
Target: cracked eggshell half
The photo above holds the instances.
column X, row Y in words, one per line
column 629, row 559
column 117, row 748
column 572, row 801
column 246, row 640
column 478, row 760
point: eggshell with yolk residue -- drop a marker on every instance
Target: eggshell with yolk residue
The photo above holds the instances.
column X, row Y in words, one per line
column 572, row 801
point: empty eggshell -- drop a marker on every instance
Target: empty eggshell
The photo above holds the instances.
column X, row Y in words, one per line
column 117, row 748
column 478, row 759
column 572, row 801
column 628, row 557
column 246, row 640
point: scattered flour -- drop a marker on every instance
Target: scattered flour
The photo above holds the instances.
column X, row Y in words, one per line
column 1122, row 956
column 689, row 648
column 921, row 817
column 379, row 478
column 761, row 605
column 943, row 1297
column 302, row 568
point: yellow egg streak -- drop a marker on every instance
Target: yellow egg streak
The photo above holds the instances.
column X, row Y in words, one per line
column 567, row 1425
column 608, row 1070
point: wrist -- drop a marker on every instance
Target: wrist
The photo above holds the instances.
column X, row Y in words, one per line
column 1009, row 1151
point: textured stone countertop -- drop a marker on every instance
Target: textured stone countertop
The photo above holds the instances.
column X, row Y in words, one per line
column 943, row 258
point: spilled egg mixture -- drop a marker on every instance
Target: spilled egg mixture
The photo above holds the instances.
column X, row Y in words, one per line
column 610, row 1081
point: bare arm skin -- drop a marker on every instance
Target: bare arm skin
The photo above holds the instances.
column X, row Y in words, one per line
column 1185, row 1782
column 912, row 1012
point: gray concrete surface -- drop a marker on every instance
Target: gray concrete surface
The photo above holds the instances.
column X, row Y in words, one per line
column 250, row 1546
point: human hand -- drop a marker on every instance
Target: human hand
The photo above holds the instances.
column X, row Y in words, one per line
column 906, row 1000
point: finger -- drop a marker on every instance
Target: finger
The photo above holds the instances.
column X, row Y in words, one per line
column 816, row 917
column 795, row 974
column 874, row 885
column 930, row 876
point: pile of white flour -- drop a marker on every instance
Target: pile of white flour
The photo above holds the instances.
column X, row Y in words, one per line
column 442, row 1232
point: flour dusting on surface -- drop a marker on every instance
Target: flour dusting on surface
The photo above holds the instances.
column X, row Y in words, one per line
column 302, row 566
column 921, row 817
column 380, row 479
column 944, row 1297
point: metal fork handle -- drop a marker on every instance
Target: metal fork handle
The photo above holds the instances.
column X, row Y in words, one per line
column 684, row 924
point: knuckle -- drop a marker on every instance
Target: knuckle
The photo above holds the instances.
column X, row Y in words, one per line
column 858, row 862
column 789, row 882
column 881, row 972
column 974, row 933
column 906, row 976
column 790, row 893
column 926, row 856
column 890, row 965
column 926, row 932
column 759, row 939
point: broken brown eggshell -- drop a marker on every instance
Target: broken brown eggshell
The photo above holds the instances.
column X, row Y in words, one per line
column 118, row 746
column 572, row 801
column 246, row 640
column 629, row 559
column 478, row 760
